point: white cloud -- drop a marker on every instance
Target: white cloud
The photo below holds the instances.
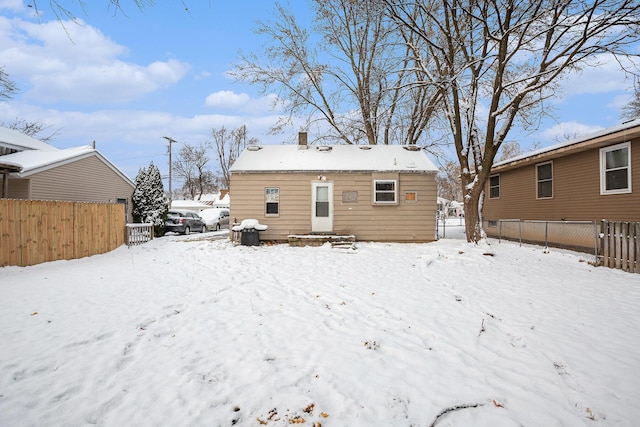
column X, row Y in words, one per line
column 80, row 65
column 226, row 99
column 13, row 5
column 568, row 130
column 202, row 75
column 603, row 75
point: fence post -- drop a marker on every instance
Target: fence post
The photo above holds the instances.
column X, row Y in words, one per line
column 624, row 229
column 546, row 235
column 520, row 230
column 596, row 235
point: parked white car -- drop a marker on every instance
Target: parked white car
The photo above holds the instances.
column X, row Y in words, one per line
column 215, row 218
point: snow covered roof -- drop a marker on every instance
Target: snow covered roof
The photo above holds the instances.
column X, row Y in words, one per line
column 343, row 158
column 622, row 128
column 28, row 162
column 16, row 140
column 188, row 204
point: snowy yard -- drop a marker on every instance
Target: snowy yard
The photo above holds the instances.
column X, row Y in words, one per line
column 193, row 331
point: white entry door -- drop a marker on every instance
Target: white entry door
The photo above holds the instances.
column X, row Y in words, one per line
column 321, row 207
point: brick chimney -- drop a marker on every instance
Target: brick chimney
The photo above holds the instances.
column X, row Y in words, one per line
column 302, row 140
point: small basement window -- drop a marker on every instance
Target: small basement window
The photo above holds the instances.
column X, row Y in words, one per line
column 385, row 191
column 272, row 201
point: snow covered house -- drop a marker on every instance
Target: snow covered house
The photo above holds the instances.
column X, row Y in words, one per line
column 33, row 170
column 189, row 205
column 585, row 179
column 220, row 199
column 375, row 193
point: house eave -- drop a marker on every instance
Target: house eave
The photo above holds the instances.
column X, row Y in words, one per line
column 601, row 140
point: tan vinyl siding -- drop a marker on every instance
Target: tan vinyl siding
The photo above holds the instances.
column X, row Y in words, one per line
column 18, row 188
column 85, row 180
column 401, row 222
column 576, row 192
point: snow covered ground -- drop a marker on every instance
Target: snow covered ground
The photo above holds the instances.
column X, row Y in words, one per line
column 194, row 331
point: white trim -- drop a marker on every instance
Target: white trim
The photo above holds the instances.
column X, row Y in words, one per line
column 321, row 224
column 603, row 169
column 395, row 192
column 271, row 215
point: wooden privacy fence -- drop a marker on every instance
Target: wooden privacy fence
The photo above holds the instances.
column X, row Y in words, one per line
column 36, row 231
column 621, row 245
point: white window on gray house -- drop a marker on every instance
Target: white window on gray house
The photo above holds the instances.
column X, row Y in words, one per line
column 544, row 176
column 385, row 191
column 272, row 201
column 494, row 186
column 615, row 169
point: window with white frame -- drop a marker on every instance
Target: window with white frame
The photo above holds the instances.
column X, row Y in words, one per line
column 385, row 191
column 272, row 201
column 544, row 177
column 615, row 169
column 494, row 186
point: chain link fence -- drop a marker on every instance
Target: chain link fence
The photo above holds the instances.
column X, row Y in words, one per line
column 581, row 236
column 445, row 224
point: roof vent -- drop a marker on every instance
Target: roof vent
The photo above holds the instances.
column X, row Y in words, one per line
column 324, row 148
column 411, row 147
column 365, row 147
column 254, row 148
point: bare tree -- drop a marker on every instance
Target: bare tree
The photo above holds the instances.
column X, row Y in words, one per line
column 497, row 61
column 64, row 12
column 631, row 111
column 8, row 87
column 32, row 129
column 229, row 145
column 352, row 76
column 509, row 149
column 448, row 181
column 191, row 166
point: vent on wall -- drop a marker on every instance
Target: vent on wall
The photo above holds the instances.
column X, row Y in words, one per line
column 365, row 147
column 324, row 148
column 254, row 148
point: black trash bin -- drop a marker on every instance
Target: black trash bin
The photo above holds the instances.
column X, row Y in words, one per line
column 250, row 237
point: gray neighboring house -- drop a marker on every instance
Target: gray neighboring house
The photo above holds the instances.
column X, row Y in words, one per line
column 33, row 170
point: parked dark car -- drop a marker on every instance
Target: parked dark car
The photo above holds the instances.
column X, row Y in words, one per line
column 184, row 222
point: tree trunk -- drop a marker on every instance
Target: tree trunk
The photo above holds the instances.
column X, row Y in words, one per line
column 473, row 193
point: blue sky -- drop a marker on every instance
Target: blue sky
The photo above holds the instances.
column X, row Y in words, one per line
column 127, row 79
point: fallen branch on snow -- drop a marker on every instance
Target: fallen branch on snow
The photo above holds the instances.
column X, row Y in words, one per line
column 454, row 408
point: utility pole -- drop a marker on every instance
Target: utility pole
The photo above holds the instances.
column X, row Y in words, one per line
column 171, row 141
